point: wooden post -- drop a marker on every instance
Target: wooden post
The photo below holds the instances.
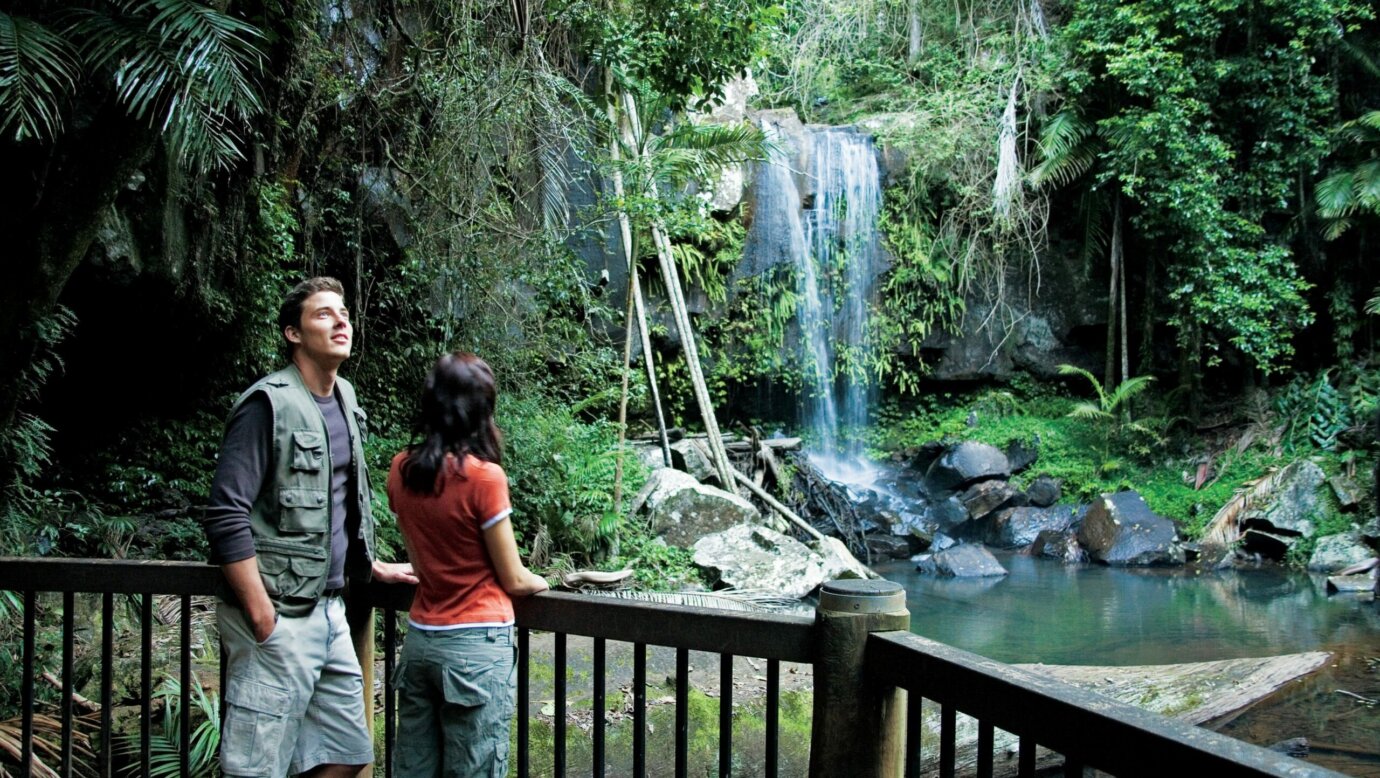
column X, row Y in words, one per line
column 360, row 616
column 859, row 726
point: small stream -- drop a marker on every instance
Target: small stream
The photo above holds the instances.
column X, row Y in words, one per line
column 1048, row 612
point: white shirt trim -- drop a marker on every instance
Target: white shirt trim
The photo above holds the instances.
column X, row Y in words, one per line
column 447, row 627
column 503, row 514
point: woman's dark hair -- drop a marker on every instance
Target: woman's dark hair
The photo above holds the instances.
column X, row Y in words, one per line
column 457, row 417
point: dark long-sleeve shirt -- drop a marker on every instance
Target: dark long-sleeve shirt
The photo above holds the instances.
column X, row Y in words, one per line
column 246, row 460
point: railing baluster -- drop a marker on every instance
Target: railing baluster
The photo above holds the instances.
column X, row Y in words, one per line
column 639, row 709
column 558, row 722
column 682, row 712
column 68, row 606
column 947, row 736
column 1026, row 757
column 773, row 715
column 915, row 711
column 185, row 723
column 524, row 691
column 725, row 715
column 146, row 683
column 598, row 709
column 106, row 765
column 390, row 657
column 986, row 742
column 26, row 693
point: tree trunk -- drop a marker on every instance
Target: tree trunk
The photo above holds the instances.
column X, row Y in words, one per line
column 1119, row 252
column 634, row 288
column 1114, row 262
column 915, row 38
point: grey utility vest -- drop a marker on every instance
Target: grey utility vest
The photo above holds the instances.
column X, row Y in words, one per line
column 291, row 517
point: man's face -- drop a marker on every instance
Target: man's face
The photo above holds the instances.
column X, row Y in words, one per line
column 324, row 334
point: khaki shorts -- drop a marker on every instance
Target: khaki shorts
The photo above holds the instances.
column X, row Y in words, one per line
column 455, row 703
column 295, row 701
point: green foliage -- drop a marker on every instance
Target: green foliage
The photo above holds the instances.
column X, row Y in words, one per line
column 165, row 742
column 684, row 50
column 1110, row 414
column 1352, row 192
column 561, row 473
column 185, row 68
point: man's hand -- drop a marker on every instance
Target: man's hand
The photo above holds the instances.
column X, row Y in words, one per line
column 244, row 580
column 394, row 572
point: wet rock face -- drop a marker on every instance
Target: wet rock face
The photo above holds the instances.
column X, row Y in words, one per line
column 1043, row 492
column 1335, row 553
column 986, row 497
column 1120, row 529
column 966, row 464
column 752, row 557
column 1062, row 546
column 1292, row 508
column 962, row 561
column 1020, row 527
column 682, row 510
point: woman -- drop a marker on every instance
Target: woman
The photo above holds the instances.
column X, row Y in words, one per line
column 455, row 675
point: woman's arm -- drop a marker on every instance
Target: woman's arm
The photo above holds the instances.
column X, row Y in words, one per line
column 513, row 575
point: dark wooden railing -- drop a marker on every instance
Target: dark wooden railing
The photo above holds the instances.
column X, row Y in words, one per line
column 1053, row 722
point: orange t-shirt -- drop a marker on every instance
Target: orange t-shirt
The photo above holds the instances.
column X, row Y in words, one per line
column 444, row 534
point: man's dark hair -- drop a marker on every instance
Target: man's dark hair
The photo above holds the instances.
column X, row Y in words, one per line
column 290, row 313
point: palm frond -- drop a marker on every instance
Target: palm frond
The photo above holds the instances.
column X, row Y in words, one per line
column 1127, row 389
column 1225, row 527
column 1096, row 384
column 184, row 67
column 1087, row 410
column 1333, row 195
column 38, row 72
column 692, row 151
column 1373, row 304
column 1065, row 153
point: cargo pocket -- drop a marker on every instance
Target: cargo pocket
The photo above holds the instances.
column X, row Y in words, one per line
column 362, row 423
column 303, row 510
column 308, row 450
column 469, row 688
column 255, row 722
column 294, row 574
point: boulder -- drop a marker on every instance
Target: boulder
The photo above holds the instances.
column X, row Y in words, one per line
column 1021, row 454
column 967, row 560
column 1293, row 507
column 839, row 562
column 1043, row 492
column 682, row 510
column 1349, row 495
column 948, row 513
column 689, row 456
column 1062, row 546
column 747, row 556
column 986, row 497
column 1120, row 529
column 1019, row 527
column 941, row 542
column 1351, row 584
column 966, row 464
column 890, row 546
column 1335, row 553
column 1370, row 533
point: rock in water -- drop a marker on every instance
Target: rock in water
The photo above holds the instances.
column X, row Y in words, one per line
column 1120, row 529
column 985, row 497
column 1020, row 527
column 1337, row 552
column 1062, row 546
column 967, row 560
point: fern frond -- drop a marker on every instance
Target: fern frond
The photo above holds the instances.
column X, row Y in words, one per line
column 38, row 72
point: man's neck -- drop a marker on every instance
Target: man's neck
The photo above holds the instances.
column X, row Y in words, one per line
column 320, row 379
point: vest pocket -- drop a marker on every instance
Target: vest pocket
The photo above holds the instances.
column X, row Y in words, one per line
column 303, row 510
column 308, row 450
column 362, row 423
column 294, row 574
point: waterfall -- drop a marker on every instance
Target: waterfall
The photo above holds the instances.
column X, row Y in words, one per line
column 833, row 244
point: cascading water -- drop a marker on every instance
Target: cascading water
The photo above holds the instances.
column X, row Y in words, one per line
column 834, row 248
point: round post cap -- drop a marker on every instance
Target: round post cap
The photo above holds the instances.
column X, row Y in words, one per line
column 856, row 595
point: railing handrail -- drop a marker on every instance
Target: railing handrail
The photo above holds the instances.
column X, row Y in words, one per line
column 1065, row 718
column 765, row 635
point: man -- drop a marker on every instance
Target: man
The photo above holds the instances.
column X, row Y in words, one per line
column 289, row 522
